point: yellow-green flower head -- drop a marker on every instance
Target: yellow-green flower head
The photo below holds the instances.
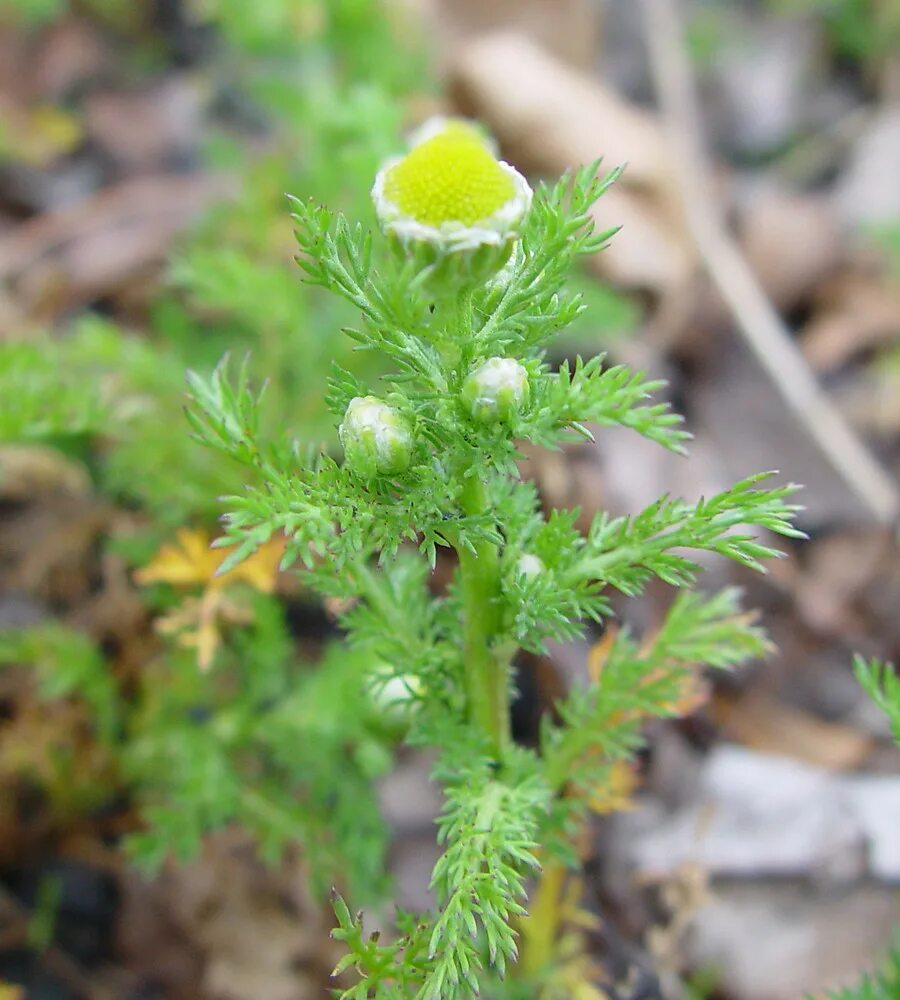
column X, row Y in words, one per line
column 450, row 191
column 376, row 438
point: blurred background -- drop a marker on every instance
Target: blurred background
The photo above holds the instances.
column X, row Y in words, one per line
column 146, row 147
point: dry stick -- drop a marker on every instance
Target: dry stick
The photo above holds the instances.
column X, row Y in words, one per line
column 752, row 311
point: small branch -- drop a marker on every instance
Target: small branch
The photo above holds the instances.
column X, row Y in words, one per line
column 752, row 312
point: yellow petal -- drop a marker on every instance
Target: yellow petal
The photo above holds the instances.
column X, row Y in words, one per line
column 186, row 562
column 615, row 794
column 207, row 642
column 259, row 570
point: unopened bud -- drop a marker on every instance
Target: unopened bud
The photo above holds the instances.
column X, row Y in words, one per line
column 375, row 437
column 395, row 693
column 496, row 390
column 529, row 565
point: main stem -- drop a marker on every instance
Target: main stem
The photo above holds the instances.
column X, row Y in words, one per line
column 485, row 666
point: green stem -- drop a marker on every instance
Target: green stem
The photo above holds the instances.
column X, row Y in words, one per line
column 485, row 665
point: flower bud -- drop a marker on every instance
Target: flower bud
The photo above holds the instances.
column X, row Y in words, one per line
column 496, row 390
column 375, row 437
column 395, row 693
column 529, row 565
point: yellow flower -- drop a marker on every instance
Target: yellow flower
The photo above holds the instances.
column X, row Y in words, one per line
column 450, row 192
column 190, row 563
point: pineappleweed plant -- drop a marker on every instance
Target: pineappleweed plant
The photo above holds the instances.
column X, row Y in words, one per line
column 460, row 295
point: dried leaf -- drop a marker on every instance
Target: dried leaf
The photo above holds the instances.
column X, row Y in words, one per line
column 191, row 562
column 551, row 118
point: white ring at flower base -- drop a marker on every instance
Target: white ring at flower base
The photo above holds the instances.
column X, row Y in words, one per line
column 454, row 236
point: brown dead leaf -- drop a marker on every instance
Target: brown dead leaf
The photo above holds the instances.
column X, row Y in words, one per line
column 258, row 932
column 153, row 941
column 48, row 745
column 792, row 242
column 616, row 794
column 683, row 894
column 858, row 312
column 115, row 615
column 760, row 722
column 71, row 256
column 569, row 29
column 71, row 51
column 751, row 426
column 838, row 568
column 49, row 532
column 42, row 66
column 551, row 117
column 871, row 402
column 31, row 471
column 144, row 129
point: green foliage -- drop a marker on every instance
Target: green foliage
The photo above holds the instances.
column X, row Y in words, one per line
column 603, row 396
column 646, row 679
column 289, row 750
column 32, row 13
column 490, row 829
column 47, row 384
column 881, row 985
column 857, row 28
column 389, row 971
column 356, row 530
column 881, row 683
column 328, row 98
column 42, row 925
column 286, row 749
column 886, row 237
column 67, row 664
column 135, row 387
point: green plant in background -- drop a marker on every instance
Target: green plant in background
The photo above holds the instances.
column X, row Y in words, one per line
column 197, row 750
column 265, row 741
column 330, row 109
column 459, row 302
column 858, row 29
column 287, row 751
column 883, row 984
column 865, row 32
column 880, row 682
column 63, row 753
column 31, row 12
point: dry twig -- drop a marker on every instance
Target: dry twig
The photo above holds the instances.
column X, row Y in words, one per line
column 753, row 314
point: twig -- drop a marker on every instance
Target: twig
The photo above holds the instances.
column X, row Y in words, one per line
column 753, row 314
